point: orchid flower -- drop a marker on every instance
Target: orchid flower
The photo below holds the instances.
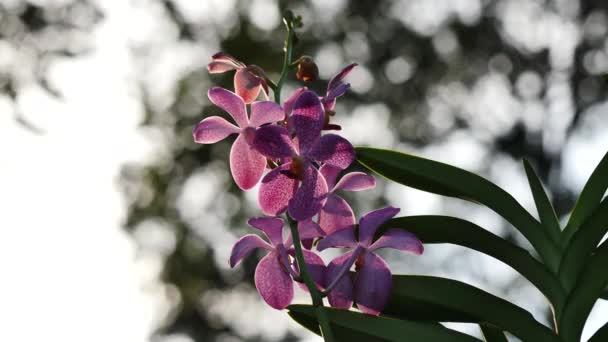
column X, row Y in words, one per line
column 372, row 283
column 246, row 164
column 248, row 79
column 296, row 185
column 273, row 274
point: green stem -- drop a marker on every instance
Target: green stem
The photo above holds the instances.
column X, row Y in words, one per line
column 288, row 20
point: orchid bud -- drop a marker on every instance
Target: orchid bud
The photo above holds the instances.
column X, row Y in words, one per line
column 307, row 69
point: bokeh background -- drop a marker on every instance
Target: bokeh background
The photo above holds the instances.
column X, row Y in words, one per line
column 117, row 227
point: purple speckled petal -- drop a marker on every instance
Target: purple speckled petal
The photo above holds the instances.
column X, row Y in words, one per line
column 274, row 142
column 263, row 112
column 338, row 79
column 273, row 283
column 399, row 239
column 334, row 150
column 247, row 85
column 307, row 119
column 341, row 296
column 212, row 130
column 276, row 189
column 309, row 229
column 373, row 284
column 341, row 239
column 244, row 246
column 311, row 195
column 231, row 103
column 336, row 215
column 356, row 181
column 314, row 265
column 246, row 164
column 271, row 226
column 330, row 173
column 288, row 104
column 369, row 223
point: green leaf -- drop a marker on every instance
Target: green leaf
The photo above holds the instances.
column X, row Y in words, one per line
column 601, row 335
column 445, row 229
column 583, row 244
column 589, row 199
column 465, row 303
column 588, row 289
column 354, row 326
column 447, row 180
column 545, row 210
column 492, row 333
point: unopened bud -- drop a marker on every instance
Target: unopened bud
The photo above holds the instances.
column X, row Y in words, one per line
column 307, row 69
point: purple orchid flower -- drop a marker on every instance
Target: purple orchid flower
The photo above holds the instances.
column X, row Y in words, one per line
column 248, row 79
column 296, row 185
column 372, row 283
column 273, row 274
column 336, row 214
column 246, row 164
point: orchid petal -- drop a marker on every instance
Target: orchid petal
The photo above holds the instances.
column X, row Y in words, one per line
column 373, row 284
column 213, row 129
column 263, row 112
column 274, row 142
column 399, row 239
column 273, row 283
column 244, row 246
column 341, row 239
column 334, row 150
column 311, row 195
column 231, row 103
column 247, row 85
column 220, row 67
column 330, row 173
column 307, row 119
column 337, row 80
column 276, row 189
column 288, row 104
column 228, row 59
column 356, row 181
column 271, row 226
column 341, row 295
column 309, row 229
column 315, row 267
column 369, row 223
column 336, row 215
column 246, row 164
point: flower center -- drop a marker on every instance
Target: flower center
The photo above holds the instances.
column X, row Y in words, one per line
column 249, row 134
column 297, row 166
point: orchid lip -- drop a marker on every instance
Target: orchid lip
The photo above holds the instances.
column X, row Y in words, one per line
column 249, row 134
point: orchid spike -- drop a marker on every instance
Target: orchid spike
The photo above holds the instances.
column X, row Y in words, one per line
column 248, row 79
column 273, row 274
column 296, row 185
column 372, row 283
column 246, row 164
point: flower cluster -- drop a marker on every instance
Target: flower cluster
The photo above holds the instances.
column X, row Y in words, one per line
column 283, row 148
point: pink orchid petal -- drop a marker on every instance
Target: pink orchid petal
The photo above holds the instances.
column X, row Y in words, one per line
column 271, row 226
column 341, row 295
column 399, row 239
column 330, row 173
column 244, row 246
column 334, row 150
column 338, row 79
column 291, row 100
column 315, row 267
column 231, row 103
column 274, row 142
column 310, row 196
column 273, row 283
column 307, row 119
column 228, row 59
column 336, row 215
column 246, row 164
column 373, row 284
column 263, row 112
column 309, row 229
column 369, row 223
column 342, row 239
column 220, row 67
column 247, row 85
column 276, row 189
column 356, row 181
column 213, row 129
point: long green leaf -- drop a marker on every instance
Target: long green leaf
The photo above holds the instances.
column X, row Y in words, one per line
column 447, row 180
column 582, row 244
column 601, row 335
column 354, row 326
column 588, row 289
column 445, row 229
column 473, row 304
column 543, row 205
column 492, row 333
column 589, row 199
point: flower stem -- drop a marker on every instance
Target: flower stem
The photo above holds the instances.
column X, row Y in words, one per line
column 288, row 19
